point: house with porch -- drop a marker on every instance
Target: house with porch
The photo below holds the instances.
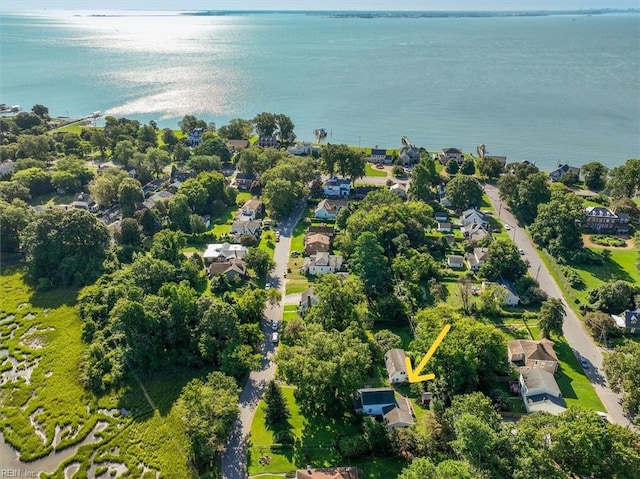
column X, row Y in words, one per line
column 268, row 142
column 328, row 209
column 322, row 263
column 477, row 258
column 600, row 218
column 448, row 154
column 472, row 216
column 380, row 156
column 252, row 209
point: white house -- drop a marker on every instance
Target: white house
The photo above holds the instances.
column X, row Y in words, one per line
column 540, row 392
column 322, row 263
column 252, row 209
column 512, row 298
column 242, row 226
column 455, row 261
column 328, row 209
column 224, row 252
column 472, row 216
column 399, row 189
column 476, row 259
column 337, row 187
column 449, row 154
column 300, row 149
column 394, row 360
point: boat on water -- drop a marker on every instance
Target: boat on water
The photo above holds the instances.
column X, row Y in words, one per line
column 320, row 133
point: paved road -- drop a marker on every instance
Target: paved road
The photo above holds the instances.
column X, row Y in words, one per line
column 573, row 329
column 234, row 461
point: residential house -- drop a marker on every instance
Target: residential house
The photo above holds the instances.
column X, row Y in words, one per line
column 181, row 176
column 540, row 392
column 500, row 159
column 322, row 263
column 315, row 243
column 380, row 156
column 223, row 252
column 450, row 241
column 399, row 189
column 84, row 201
column 409, row 154
column 195, row 137
column 328, row 209
column 623, row 223
column 444, row 227
column 233, row 269
column 600, row 218
column 475, row 232
column 477, row 258
column 337, row 187
column 629, row 321
column 449, row 154
column 511, row 298
column 237, row 145
column 244, row 181
column 268, row 142
column 308, row 298
column 382, row 402
column 556, row 174
column 246, row 226
column 455, row 261
column 525, row 354
column 252, row 209
column 150, row 202
column 301, row 149
column 153, row 186
column 472, row 216
column 329, row 473
column 394, row 360
column 322, row 228
column 441, row 216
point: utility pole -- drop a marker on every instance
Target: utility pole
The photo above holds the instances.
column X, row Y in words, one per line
column 538, row 272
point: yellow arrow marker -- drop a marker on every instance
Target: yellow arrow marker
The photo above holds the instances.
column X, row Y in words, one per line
column 414, row 376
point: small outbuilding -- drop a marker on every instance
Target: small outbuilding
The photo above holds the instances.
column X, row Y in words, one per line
column 394, row 360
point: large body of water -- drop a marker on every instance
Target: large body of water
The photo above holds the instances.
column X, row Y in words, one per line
column 546, row 89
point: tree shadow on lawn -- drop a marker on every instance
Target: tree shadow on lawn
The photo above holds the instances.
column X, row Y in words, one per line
column 609, row 271
column 318, row 444
column 54, row 298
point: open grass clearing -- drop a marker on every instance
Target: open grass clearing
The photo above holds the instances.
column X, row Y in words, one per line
column 370, row 170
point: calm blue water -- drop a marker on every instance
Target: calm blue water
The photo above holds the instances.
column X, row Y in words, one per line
column 544, row 89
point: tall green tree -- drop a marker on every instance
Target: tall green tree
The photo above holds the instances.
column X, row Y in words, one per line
column 276, row 410
column 371, row 265
column 524, row 187
column 237, row 129
column 423, row 176
column 105, row 187
column 130, row 195
column 624, row 180
column 65, row 246
column 280, row 196
column 552, row 314
column 340, row 303
column 622, row 369
column 99, row 142
column 265, row 124
column 504, row 261
column 14, row 217
column 168, row 245
column 259, row 260
column 490, row 167
column 464, row 192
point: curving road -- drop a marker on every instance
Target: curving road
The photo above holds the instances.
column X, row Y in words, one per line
column 573, row 329
column 234, row 460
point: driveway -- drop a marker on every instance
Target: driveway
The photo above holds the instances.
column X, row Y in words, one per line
column 234, row 460
column 573, row 328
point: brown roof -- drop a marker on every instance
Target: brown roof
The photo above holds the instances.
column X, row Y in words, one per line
column 329, row 473
column 223, row 267
column 540, row 350
column 321, row 228
column 317, row 238
column 238, row 144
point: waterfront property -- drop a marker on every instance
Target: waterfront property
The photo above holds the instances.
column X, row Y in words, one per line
column 562, row 170
column 448, row 154
column 600, row 218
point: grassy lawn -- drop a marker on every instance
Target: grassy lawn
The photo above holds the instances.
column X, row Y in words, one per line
column 243, row 196
column 52, row 199
column 574, row 385
column 268, row 242
column 370, row 170
column 42, row 331
column 220, row 230
column 314, row 445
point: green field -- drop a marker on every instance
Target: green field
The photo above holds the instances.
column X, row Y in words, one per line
column 43, row 330
column 370, row 170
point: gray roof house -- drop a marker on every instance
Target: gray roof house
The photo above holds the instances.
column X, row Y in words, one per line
column 455, row 261
column 394, row 360
column 396, row 412
column 540, row 392
column 629, row 321
column 449, row 154
column 477, row 258
column 556, row 174
column 322, row 263
column 473, row 215
column 525, row 354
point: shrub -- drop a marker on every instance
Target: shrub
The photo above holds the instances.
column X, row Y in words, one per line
column 284, row 437
column 353, row 446
column 605, row 240
column 573, row 278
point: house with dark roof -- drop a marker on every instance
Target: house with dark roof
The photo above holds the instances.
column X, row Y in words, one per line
column 441, row 216
column 195, row 137
column 359, row 192
column 448, row 154
column 382, row 402
column 475, row 232
column 244, row 181
column 511, row 298
column 322, row 228
column 380, row 156
column 268, row 142
column 525, row 354
column 600, row 218
column 162, row 195
column 409, row 155
column 556, row 174
column 394, row 360
column 540, row 392
column 628, row 321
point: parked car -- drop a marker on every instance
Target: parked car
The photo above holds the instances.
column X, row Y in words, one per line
column 521, row 251
column 507, row 227
column 275, row 337
column 584, row 362
column 267, row 286
column 274, row 325
column 277, row 236
column 380, row 166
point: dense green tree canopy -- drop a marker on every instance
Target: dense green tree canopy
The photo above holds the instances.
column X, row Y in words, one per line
column 524, row 187
column 614, row 296
column 342, row 160
column 104, row 189
column 130, row 195
column 327, row 367
column 65, row 246
column 14, row 217
column 504, row 262
column 490, row 167
column 624, row 180
column 214, row 146
column 369, row 262
column 237, row 129
column 423, row 176
column 622, row 369
column 340, row 303
column 464, row 192
column 552, row 314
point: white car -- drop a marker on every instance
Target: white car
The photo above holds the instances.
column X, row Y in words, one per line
column 275, row 337
column 507, row 227
column 267, row 286
column 521, row 251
